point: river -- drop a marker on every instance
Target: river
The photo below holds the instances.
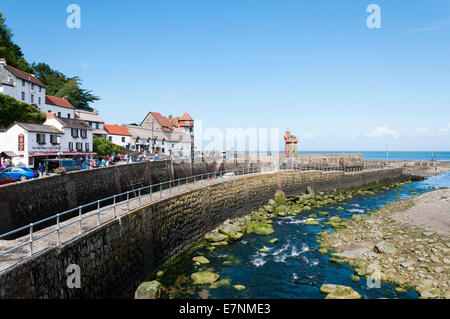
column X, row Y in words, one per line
column 292, row 268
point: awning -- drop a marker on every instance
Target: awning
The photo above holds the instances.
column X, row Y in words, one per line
column 9, row 154
column 63, row 153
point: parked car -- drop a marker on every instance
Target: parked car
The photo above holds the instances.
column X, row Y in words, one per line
column 6, row 179
column 67, row 164
column 21, row 173
column 229, row 174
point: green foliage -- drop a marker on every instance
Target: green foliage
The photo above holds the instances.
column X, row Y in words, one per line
column 105, row 147
column 60, row 85
column 12, row 110
column 10, row 51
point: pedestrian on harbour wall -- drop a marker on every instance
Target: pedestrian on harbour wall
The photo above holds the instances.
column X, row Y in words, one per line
column 103, row 163
column 40, row 170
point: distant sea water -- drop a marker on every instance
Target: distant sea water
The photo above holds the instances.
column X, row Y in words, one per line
column 394, row 155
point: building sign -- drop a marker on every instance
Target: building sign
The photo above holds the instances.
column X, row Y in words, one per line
column 21, row 143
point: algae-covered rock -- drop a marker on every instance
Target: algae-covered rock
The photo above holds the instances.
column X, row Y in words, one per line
column 204, row 277
column 260, row 229
column 264, row 250
column 201, row 260
column 221, row 283
column 323, row 251
column 280, row 197
column 148, row 290
column 312, row 216
column 215, row 237
column 239, row 287
column 328, row 288
column 323, row 213
column 273, row 241
column 343, row 292
column 159, row 274
column 334, row 219
column 354, row 278
column 311, row 222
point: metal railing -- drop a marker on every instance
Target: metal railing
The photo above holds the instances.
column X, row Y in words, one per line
column 326, row 168
column 152, row 192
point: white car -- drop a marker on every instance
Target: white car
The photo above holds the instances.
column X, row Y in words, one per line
column 229, row 174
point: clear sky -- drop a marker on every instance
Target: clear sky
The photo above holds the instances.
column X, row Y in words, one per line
column 312, row 66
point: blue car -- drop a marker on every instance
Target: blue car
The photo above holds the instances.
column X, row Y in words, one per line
column 21, row 173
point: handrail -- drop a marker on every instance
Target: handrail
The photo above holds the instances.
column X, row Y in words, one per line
column 139, row 191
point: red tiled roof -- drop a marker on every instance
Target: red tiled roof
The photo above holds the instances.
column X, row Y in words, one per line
column 162, row 120
column 58, row 101
column 116, row 130
column 186, row 117
column 24, row 76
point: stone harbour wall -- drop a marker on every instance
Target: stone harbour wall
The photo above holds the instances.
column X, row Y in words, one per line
column 116, row 257
column 27, row 202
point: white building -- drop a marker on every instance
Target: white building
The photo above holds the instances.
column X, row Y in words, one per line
column 27, row 143
column 59, row 106
column 119, row 135
column 94, row 121
column 21, row 85
column 77, row 138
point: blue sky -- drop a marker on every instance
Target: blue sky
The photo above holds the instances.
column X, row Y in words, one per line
column 311, row 66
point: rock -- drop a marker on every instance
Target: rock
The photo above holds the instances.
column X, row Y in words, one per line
column 352, row 253
column 227, row 262
column 148, row 290
column 264, row 250
column 334, row 219
column 400, row 289
column 354, row 278
column 261, row 229
column 311, row 222
column 219, row 243
column 340, row 208
column 239, row 287
column 323, row 251
column 309, row 190
column 407, row 264
column 272, row 202
column 357, row 217
column 280, row 197
column 273, row 241
column 339, row 292
column 204, row 277
column 221, row 283
column 215, row 237
column 428, row 294
column 383, row 247
column 312, row 216
column 201, row 260
column 323, row 213
column 159, row 274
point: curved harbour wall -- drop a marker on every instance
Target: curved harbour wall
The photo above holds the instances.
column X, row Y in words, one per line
column 116, row 257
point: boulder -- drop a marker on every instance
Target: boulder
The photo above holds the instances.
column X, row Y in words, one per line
column 311, row 222
column 239, row 287
column 280, row 197
column 204, row 277
column 312, row 216
column 148, row 290
column 273, row 241
column 339, row 292
column 358, row 252
column 309, row 190
column 383, row 247
column 215, row 237
column 201, row 260
column 261, row 229
column 323, row 213
column 221, row 283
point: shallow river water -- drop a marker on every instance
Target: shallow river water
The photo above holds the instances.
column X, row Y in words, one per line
column 293, row 268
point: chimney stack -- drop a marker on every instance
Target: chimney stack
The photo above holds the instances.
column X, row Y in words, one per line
column 50, row 115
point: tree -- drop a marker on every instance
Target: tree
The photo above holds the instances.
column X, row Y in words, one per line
column 11, row 51
column 60, row 85
column 105, row 147
column 12, row 110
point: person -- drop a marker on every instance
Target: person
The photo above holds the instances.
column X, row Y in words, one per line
column 102, row 163
column 40, row 170
column 92, row 164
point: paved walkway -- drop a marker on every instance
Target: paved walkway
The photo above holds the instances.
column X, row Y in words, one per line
column 90, row 221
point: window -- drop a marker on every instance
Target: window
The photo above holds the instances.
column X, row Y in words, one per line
column 40, row 138
column 54, row 139
column 68, row 115
column 71, row 146
column 123, row 139
column 39, row 100
column 23, row 96
column 163, row 150
column 74, row 132
column 79, row 146
column 86, row 146
column 96, row 125
column 90, row 124
column 32, row 86
column 110, row 138
column 40, row 89
column 23, row 82
column 162, row 142
column 32, row 98
column 59, row 114
column 83, row 133
column 173, row 145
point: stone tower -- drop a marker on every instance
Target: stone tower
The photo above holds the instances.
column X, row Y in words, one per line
column 290, row 145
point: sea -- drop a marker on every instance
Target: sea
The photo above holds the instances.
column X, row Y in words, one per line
column 392, row 155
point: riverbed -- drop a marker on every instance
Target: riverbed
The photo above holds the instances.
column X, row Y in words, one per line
column 291, row 268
